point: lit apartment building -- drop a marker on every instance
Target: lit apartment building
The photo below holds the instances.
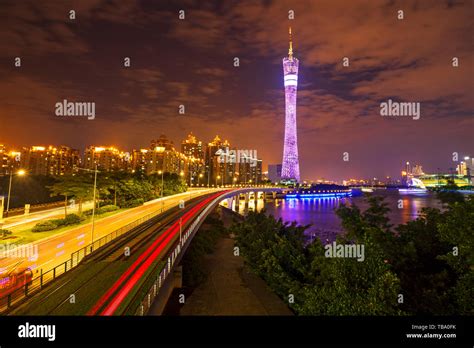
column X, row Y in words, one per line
column 106, row 159
column 49, row 160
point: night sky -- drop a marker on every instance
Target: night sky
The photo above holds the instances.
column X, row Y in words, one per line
column 191, row 62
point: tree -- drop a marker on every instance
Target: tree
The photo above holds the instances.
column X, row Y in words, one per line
column 429, row 261
column 78, row 186
column 278, row 252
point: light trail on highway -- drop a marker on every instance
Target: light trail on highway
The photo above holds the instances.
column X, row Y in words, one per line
column 112, row 299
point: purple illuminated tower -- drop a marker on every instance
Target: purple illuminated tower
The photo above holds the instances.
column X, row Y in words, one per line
column 290, row 170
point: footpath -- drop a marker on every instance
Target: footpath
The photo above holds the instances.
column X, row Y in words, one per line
column 230, row 288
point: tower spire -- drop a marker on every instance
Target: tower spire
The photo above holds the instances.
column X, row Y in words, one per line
column 290, row 50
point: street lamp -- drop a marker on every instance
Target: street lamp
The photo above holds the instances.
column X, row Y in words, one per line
column 199, row 177
column 93, row 205
column 217, row 178
column 162, row 188
column 21, row 172
column 93, row 202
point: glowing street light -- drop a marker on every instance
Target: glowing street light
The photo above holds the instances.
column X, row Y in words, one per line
column 21, row 172
column 199, row 177
column 93, row 202
column 162, row 188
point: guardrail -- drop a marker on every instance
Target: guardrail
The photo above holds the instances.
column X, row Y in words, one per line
column 34, row 285
column 165, row 270
column 34, row 208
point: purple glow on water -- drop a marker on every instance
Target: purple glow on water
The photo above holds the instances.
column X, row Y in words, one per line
column 325, row 224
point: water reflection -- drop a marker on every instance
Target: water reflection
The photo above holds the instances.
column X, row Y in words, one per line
column 320, row 212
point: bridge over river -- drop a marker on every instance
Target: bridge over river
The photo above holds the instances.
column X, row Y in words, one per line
column 125, row 272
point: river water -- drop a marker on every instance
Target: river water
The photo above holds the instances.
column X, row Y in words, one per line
column 320, row 214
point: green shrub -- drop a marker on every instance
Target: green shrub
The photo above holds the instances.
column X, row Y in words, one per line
column 72, row 219
column 59, row 222
column 133, row 203
column 5, row 233
column 106, row 209
column 44, row 226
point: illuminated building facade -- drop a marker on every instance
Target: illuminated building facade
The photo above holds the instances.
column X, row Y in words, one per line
column 290, row 167
column 49, row 160
column 9, row 160
column 106, row 158
column 274, row 172
column 192, row 149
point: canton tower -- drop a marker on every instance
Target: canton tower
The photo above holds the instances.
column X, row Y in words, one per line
column 290, row 170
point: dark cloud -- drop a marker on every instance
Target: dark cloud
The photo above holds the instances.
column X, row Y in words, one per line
column 190, row 62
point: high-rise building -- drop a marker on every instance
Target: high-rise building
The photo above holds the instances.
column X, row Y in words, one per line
column 221, row 166
column 461, row 168
column 274, row 172
column 140, row 160
column 290, row 167
column 211, row 161
column 162, row 141
column 250, row 172
column 191, row 147
column 466, row 167
column 153, row 161
column 7, row 160
column 106, row 158
column 49, row 160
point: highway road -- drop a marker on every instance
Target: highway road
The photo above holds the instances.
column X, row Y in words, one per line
column 21, row 222
column 55, row 250
column 107, row 280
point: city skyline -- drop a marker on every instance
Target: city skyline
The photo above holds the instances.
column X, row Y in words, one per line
column 215, row 162
column 338, row 106
column 300, row 163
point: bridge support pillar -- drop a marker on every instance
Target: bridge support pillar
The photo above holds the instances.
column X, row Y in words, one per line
column 230, row 202
column 274, row 195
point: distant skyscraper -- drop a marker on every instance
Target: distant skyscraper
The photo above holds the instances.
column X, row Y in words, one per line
column 290, row 166
column 191, row 147
column 274, row 172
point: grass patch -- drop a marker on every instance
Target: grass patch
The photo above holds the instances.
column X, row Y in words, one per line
column 141, row 289
column 87, row 283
